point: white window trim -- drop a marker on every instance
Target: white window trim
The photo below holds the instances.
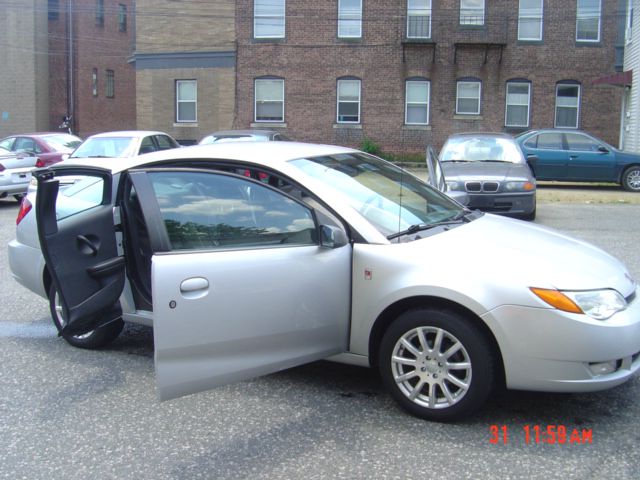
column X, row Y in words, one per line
column 406, row 101
column 536, row 16
column 283, row 17
column 338, row 101
column 628, row 31
column 481, row 16
column 340, row 18
column 458, row 97
column 528, row 104
column 555, row 113
column 178, row 101
column 578, row 17
column 409, row 15
column 255, row 99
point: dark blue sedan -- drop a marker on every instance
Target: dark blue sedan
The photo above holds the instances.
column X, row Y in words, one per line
column 576, row 156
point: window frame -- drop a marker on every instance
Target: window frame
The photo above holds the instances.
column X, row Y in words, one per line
column 585, row 16
column 348, row 17
column 122, row 17
column 507, row 104
column 179, row 101
column 529, row 16
column 480, row 20
column 99, row 14
column 338, row 102
column 53, row 9
column 94, row 82
column 578, row 99
column 628, row 31
column 410, row 15
column 458, row 97
column 255, row 99
column 110, row 83
column 407, row 104
column 279, row 16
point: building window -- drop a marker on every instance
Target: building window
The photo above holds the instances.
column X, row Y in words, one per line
column 268, row 18
column 122, row 18
column 100, row 13
column 468, row 98
column 416, row 110
column 349, row 18
column 94, row 82
column 110, row 84
column 567, row 105
column 530, row 20
column 269, row 100
column 629, row 22
column 471, row 12
column 54, row 9
column 349, row 101
column 418, row 18
column 517, row 104
column 588, row 21
column 186, row 101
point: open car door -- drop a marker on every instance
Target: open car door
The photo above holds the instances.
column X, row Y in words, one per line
column 78, row 241
column 437, row 180
column 244, row 280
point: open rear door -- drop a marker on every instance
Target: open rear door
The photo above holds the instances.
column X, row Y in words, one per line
column 77, row 237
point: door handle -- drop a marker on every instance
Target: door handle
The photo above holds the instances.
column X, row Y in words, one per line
column 84, row 241
column 572, row 157
column 195, row 287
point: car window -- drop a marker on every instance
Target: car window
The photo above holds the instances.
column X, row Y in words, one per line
column 549, row 141
column 110, row 147
column 204, row 211
column 7, row 143
column 62, row 142
column 164, row 142
column 80, row 196
column 26, row 145
column 577, row 142
column 481, row 149
column 146, row 146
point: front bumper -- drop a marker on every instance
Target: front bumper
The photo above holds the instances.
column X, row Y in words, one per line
column 549, row 350
column 516, row 204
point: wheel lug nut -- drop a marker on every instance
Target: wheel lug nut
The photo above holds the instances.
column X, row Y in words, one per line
column 435, row 375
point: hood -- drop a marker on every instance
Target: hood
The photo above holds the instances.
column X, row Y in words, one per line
column 511, row 252
column 487, row 171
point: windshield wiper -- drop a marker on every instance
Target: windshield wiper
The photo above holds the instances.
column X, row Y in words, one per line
column 420, row 227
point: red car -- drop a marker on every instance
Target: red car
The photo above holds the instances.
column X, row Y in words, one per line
column 49, row 147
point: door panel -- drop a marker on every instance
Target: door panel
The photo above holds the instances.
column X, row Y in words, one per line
column 552, row 160
column 586, row 162
column 80, row 252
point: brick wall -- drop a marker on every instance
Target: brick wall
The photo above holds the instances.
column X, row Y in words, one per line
column 311, row 58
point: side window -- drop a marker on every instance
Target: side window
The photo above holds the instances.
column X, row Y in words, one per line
column 204, row 211
column 147, row 146
column 164, row 142
column 82, row 195
column 26, row 145
column 582, row 143
column 550, row 141
column 7, row 143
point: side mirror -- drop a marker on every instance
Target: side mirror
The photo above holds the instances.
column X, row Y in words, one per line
column 603, row 149
column 332, row 237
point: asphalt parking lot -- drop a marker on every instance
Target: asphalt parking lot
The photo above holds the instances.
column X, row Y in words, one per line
column 76, row 414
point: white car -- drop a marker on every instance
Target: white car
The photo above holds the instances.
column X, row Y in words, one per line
column 322, row 252
column 15, row 173
column 123, row 144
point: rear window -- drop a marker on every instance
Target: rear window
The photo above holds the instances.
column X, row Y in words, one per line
column 81, row 195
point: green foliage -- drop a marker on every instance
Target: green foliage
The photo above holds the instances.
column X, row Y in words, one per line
column 369, row 146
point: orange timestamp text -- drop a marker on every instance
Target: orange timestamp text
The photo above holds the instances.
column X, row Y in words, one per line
column 542, row 434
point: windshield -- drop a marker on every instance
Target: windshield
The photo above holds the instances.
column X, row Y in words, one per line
column 388, row 197
column 481, row 149
column 109, row 147
column 62, row 142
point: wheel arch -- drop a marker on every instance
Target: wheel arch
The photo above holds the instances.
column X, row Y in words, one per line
column 386, row 318
column 624, row 169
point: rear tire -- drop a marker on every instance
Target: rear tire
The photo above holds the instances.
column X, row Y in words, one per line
column 437, row 364
column 92, row 340
column 631, row 179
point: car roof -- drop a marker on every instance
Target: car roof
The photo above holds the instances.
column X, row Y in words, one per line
column 260, row 153
column 127, row 133
column 481, row 134
column 243, row 132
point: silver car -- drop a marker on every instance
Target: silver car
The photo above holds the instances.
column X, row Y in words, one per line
column 252, row 135
column 15, row 173
column 492, row 169
column 334, row 254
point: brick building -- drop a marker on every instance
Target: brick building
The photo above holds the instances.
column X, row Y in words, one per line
column 409, row 73
column 78, row 69
column 185, row 67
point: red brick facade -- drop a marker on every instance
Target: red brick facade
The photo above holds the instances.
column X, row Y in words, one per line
column 311, row 58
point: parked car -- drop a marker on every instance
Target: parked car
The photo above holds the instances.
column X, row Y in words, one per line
column 123, row 144
column 15, row 173
column 337, row 255
column 244, row 136
column 576, row 156
column 48, row 147
column 491, row 168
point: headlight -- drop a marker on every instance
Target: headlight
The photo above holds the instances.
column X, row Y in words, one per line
column 456, row 186
column 598, row 304
column 519, row 186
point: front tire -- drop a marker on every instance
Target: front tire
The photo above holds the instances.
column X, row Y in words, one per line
column 92, row 340
column 436, row 364
column 631, row 179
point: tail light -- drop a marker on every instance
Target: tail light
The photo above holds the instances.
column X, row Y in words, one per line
column 25, row 207
column 39, row 163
